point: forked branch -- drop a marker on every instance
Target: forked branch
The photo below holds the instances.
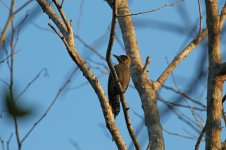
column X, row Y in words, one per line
column 112, row 69
column 66, row 34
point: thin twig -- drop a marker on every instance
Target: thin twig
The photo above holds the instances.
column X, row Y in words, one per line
column 89, row 47
column 55, row 30
column 8, row 23
column 31, row 82
column 4, row 82
column 59, row 8
column 223, row 15
column 129, row 124
column 200, row 17
column 70, row 46
column 50, row 106
column 184, row 95
column 204, row 128
column 4, row 4
column 189, row 106
column 184, row 106
column 10, row 19
column 223, row 113
column 59, row 34
column 148, row 60
column 9, row 140
column 75, row 35
column 61, row 5
column 41, row 28
column 200, row 138
column 149, row 11
column 23, row 6
column 172, row 75
column 83, row 84
column 179, row 135
column 194, row 113
column 187, row 50
column 81, row 7
column 11, row 86
column 136, row 113
column 184, row 53
column 112, row 69
column 99, row 63
column 7, row 57
column 224, row 116
column 18, row 27
column 180, row 115
column 224, row 98
column 99, row 69
column 79, row 38
column 7, row 60
column 2, row 143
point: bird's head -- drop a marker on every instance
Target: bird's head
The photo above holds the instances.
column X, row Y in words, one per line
column 123, row 59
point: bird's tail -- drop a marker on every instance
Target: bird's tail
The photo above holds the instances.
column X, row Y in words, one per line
column 114, row 101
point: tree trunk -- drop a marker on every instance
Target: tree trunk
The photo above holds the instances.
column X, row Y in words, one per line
column 215, row 82
column 146, row 88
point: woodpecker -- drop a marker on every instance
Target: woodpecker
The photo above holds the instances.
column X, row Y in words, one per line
column 123, row 72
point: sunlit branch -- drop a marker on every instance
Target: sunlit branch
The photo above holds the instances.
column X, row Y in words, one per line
column 115, row 76
column 149, row 11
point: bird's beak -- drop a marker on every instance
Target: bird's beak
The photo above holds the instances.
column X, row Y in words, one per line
column 116, row 56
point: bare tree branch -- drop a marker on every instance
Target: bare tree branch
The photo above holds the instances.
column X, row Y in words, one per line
column 200, row 16
column 59, row 8
column 172, row 75
column 89, row 47
column 8, row 22
column 50, row 106
column 179, row 135
column 31, row 82
column 68, row 40
column 2, row 143
column 23, row 6
column 149, row 11
column 147, row 62
column 11, row 86
column 184, row 106
column 9, row 140
column 7, row 57
column 183, row 117
column 112, row 69
column 204, row 128
column 215, row 83
column 184, row 53
column 200, row 138
column 184, row 95
column 10, row 18
column 144, row 86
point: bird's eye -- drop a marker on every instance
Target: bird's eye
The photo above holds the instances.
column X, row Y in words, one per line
column 124, row 57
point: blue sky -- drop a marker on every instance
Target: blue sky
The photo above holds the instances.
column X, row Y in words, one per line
column 76, row 120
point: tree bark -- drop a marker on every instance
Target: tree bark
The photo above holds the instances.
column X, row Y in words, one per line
column 146, row 88
column 67, row 36
column 215, row 82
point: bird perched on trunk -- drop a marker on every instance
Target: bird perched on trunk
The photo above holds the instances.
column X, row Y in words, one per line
column 123, row 72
